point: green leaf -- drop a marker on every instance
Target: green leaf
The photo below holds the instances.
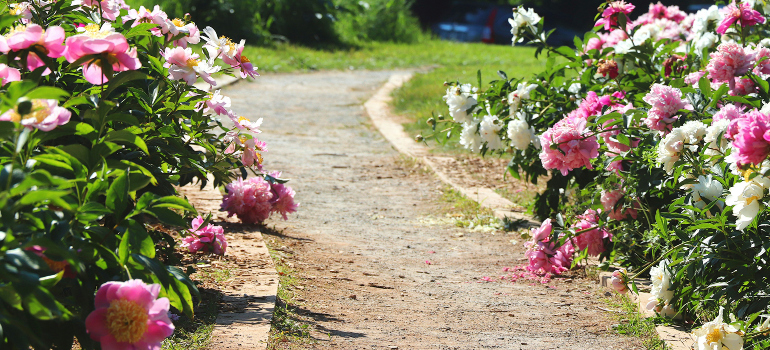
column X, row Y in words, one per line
column 47, row 92
column 174, row 203
column 142, row 29
column 124, row 77
column 167, row 216
column 117, row 195
column 126, row 137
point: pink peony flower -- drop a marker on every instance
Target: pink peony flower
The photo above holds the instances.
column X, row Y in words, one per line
column 544, row 257
column 210, row 238
column 105, row 47
column 762, row 59
column 730, row 61
column 728, row 112
column 110, row 9
column 694, row 77
column 609, row 200
column 610, row 15
column 666, row 102
column 283, row 198
column 742, row 87
column 742, row 13
column 34, row 39
column 249, row 199
column 543, row 232
column 185, row 65
column 591, row 240
column 143, row 15
column 752, row 140
column 129, row 316
column 45, row 115
column 568, row 146
column 8, row 74
column 620, row 281
column 176, row 26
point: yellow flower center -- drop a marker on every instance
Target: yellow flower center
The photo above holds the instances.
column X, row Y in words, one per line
column 191, row 62
column 714, row 336
column 15, row 9
column 17, row 29
column 178, row 22
column 38, row 112
column 231, row 46
column 93, row 30
column 126, row 320
column 245, row 60
column 241, row 120
column 259, row 158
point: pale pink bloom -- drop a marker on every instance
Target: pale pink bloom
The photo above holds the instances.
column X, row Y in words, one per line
column 221, row 45
column 620, row 281
column 210, row 239
column 742, row 13
column 185, row 65
column 666, row 102
column 742, row 87
column 8, row 74
column 217, row 103
column 660, row 11
column 694, row 77
column 246, row 124
column 751, row 144
column 143, row 15
column 730, row 61
column 33, row 36
column 107, row 47
column 611, row 13
column 614, row 37
column 241, row 63
column 590, row 215
column 129, row 316
column 543, row 232
column 591, row 240
column 177, row 26
column 283, row 198
column 609, row 200
column 595, row 44
column 250, row 154
column 45, row 115
column 568, row 146
column 727, row 112
column 110, row 9
column 23, row 9
column 762, row 59
column 249, row 199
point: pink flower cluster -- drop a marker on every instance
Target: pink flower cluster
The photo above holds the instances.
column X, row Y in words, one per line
column 729, row 62
column 568, row 145
column 254, row 199
column 544, row 256
column 751, row 137
column 610, row 15
column 45, row 115
column 666, row 102
column 741, row 13
column 129, row 316
column 105, row 48
column 610, row 199
column 591, row 240
column 33, row 40
column 210, row 239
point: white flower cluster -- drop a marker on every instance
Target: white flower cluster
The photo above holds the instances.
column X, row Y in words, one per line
column 521, row 93
column 707, row 189
column 661, row 294
column 523, row 18
column 460, row 100
column 470, row 137
column 745, row 197
column 717, row 334
column 521, row 134
column 671, row 147
column 700, row 35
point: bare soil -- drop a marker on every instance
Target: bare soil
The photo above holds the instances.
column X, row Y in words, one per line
column 378, row 264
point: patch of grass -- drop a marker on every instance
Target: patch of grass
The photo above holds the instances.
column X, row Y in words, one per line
column 524, row 197
column 286, row 325
column 632, row 323
column 195, row 333
column 468, row 213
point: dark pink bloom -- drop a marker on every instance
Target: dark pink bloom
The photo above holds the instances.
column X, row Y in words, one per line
column 742, row 13
column 8, row 74
column 249, row 199
column 610, row 15
column 210, row 239
column 33, row 38
column 568, row 146
column 762, row 59
column 105, row 47
column 45, row 115
column 610, row 199
column 666, row 102
column 752, row 140
column 129, row 316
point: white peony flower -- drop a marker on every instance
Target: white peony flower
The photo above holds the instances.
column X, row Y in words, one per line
column 707, row 40
column 693, row 132
column 523, row 18
column 623, row 47
column 661, row 295
column 489, row 129
column 520, row 133
column 714, row 138
column 575, row 88
column 745, row 198
column 522, row 93
column 718, row 335
column 460, row 99
column 670, row 148
column 469, row 137
column 707, row 188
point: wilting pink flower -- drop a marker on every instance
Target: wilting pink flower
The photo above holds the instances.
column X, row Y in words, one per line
column 543, row 232
column 185, row 65
column 607, row 68
column 752, row 141
column 568, row 146
column 34, row 39
column 620, row 281
column 129, row 316
column 106, row 48
column 209, row 239
column 671, row 63
column 609, row 200
column 610, row 15
column 248, row 199
column 742, row 13
column 8, row 74
column 283, row 198
column 144, row 15
column 45, row 115
column 730, row 61
column 666, row 102
column 544, row 257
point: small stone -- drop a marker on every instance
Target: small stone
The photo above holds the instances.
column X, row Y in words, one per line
column 353, row 296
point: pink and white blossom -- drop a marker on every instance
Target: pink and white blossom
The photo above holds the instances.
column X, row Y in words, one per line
column 106, row 47
column 185, row 65
column 8, row 74
column 34, row 39
column 45, row 115
column 568, row 145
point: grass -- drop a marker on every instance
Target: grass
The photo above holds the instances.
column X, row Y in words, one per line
column 633, row 324
column 467, row 212
column 285, row 325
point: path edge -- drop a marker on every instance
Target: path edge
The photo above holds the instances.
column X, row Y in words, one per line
column 379, row 110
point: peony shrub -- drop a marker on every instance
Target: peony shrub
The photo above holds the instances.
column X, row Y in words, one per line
column 653, row 130
column 100, row 123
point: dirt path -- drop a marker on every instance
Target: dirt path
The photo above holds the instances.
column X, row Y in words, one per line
column 377, row 268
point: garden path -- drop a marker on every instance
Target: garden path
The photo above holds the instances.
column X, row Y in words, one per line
column 378, row 266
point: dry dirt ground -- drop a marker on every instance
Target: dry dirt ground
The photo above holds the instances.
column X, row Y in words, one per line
column 378, row 265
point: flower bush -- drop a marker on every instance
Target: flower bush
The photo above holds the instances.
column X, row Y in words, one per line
column 668, row 115
column 99, row 125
